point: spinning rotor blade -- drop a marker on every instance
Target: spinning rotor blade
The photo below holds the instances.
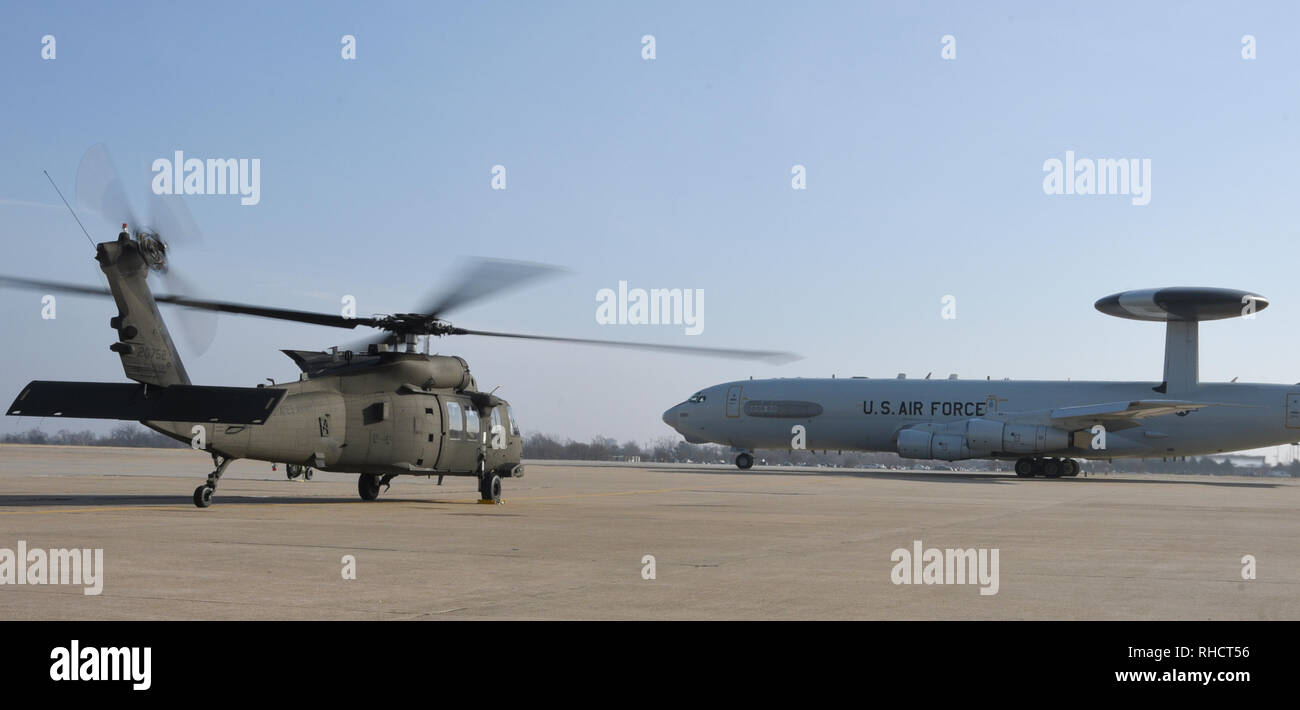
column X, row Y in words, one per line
column 199, row 327
column 99, row 189
column 484, row 278
column 34, row 285
column 772, row 356
column 328, row 319
column 172, row 220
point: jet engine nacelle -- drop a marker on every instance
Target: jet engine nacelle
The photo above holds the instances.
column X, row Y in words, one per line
column 982, row 437
column 918, row 444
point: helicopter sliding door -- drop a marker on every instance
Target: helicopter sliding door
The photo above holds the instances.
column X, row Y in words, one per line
column 428, row 432
column 461, row 432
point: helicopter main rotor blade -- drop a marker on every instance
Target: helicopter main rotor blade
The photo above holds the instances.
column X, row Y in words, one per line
column 771, row 356
column 35, row 285
column 328, row 319
column 485, row 278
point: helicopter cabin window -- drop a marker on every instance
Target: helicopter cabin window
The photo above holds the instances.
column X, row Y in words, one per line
column 514, row 423
column 471, row 423
column 454, row 423
column 496, row 422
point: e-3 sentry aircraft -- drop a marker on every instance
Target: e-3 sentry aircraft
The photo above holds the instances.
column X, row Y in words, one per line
column 1042, row 425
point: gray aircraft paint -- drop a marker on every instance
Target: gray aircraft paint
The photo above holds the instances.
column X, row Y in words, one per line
column 1179, row 416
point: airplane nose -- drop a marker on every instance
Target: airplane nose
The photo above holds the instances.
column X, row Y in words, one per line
column 670, row 417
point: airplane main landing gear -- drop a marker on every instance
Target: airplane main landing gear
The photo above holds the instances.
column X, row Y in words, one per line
column 293, row 471
column 1046, row 467
column 368, row 486
column 203, row 494
column 744, row 461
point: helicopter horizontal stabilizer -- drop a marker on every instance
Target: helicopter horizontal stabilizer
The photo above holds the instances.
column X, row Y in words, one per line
column 137, row 402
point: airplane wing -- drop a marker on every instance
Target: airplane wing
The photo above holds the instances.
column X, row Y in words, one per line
column 1136, row 409
column 1115, row 416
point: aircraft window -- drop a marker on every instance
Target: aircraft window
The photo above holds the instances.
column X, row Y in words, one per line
column 514, row 423
column 697, row 397
column 454, row 423
column 471, row 423
column 496, row 421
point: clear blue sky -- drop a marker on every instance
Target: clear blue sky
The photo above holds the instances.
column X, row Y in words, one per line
column 924, row 179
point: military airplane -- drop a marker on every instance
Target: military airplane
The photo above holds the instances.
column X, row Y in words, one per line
column 1045, row 426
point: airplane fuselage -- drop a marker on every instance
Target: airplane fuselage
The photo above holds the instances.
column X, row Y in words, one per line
column 859, row 414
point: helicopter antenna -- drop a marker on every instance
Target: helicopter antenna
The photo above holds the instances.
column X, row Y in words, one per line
column 65, row 202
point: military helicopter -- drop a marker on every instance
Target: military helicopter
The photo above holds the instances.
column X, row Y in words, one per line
column 381, row 410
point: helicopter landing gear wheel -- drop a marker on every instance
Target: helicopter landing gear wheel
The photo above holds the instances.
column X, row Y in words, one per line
column 744, row 461
column 489, row 488
column 1025, row 468
column 203, row 494
column 368, row 486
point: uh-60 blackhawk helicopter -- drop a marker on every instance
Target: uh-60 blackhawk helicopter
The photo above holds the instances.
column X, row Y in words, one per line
column 382, row 410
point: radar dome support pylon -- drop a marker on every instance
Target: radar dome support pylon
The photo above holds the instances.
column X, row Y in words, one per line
column 1182, row 309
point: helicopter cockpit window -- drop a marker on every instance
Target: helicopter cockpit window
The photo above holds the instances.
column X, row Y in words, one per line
column 471, row 423
column 514, row 423
column 496, row 422
column 697, row 397
column 454, row 423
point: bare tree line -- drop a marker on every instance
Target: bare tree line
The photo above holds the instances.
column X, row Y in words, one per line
column 671, row 449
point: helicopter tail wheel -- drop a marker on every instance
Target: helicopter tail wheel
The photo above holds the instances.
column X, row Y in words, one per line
column 368, row 486
column 489, row 487
column 1025, row 468
column 744, row 462
column 203, row 494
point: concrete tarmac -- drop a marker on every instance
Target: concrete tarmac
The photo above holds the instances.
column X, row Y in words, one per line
column 569, row 543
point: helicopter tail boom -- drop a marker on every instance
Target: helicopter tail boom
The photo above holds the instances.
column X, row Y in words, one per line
column 148, row 354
